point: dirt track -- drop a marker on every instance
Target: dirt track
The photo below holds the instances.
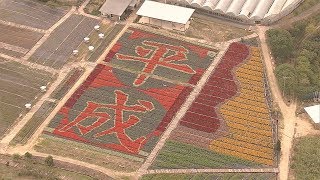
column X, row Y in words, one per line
column 288, row 112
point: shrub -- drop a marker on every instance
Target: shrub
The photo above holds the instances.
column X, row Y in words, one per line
column 49, row 161
column 28, row 155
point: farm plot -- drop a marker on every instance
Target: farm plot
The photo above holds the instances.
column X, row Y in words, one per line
column 68, row 36
column 18, row 85
column 122, row 107
column 30, row 13
column 230, row 116
column 212, row 176
column 17, row 42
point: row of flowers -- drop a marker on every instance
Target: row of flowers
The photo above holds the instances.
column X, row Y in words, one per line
column 242, row 155
column 245, row 148
column 247, row 112
column 247, row 116
column 251, row 107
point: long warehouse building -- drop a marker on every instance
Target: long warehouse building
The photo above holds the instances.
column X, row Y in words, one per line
column 249, row 11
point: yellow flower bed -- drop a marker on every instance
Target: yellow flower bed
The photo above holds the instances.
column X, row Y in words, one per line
column 252, row 107
column 248, row 101
column 248, row 81
column 247, row 116
column 242, row 150
column 249, row 76
column 252, row 146
column 253, row 88
column 244, row 117
column 252, row 93
column 250, row 129
column 249, row 71
column 253, row 98
column 242, row 155
column 252, row 67
column 251, row 123
column 251, row 135
column 240, row 137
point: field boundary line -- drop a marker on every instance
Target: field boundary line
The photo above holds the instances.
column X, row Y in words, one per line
column 186, row 105
column 29, row 64
column 182, row 171
column 48, row 33
column 20, row 26
column 13, row 48
column 81, row 11
column 112, row 43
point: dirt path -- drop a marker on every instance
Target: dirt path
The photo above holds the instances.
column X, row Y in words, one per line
column 30, row 64
column 81, row 11
column 304, row 127
column 288, row 112
column 288, row 21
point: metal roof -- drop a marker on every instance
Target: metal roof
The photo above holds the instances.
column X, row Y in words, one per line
column 314, row 113
column 165, row 12
column 115, row 7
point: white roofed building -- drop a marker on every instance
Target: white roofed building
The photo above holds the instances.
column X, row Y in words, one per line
column 314, row 114
column 165, row 15
column 115, row 9
column 247, row 11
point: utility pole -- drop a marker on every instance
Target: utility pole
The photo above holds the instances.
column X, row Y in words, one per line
column 284, row 84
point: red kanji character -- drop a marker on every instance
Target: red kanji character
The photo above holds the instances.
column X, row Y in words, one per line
column 120, row 124
column 160, row 57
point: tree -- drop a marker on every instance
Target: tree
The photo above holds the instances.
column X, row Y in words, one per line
column 281, row 44
column 287, row 79
column 16, row 157
column 49, row 161
column 28, row 155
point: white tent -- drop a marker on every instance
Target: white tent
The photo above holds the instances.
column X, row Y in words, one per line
column 314, row 113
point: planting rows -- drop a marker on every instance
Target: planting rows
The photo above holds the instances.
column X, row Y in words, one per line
column 230, row 115
column 126, row 111
column 19, row 85
column 66, row 85
column 212, row 176
column 57, row 49
column 30, row 13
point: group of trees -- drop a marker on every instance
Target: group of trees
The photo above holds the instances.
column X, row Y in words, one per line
column 297, row 57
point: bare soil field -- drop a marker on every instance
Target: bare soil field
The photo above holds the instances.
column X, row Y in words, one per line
column 16, row 41
column 18, row 85
column 30, row 13
column 214, row 30
column 86, row 153
column 67, row 37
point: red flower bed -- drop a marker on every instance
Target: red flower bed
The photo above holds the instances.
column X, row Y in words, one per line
column 91, row 125
column 219, row 87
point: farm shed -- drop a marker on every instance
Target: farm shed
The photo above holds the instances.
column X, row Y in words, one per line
column 115, row 9
column 165, row 15
column 314, row 113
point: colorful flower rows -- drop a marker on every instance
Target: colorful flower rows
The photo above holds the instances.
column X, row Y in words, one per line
column 126, row 105
column 219, row 87
column 249, row 107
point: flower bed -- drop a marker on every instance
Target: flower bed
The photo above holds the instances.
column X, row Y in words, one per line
column 230, row 115
column 126, row 105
